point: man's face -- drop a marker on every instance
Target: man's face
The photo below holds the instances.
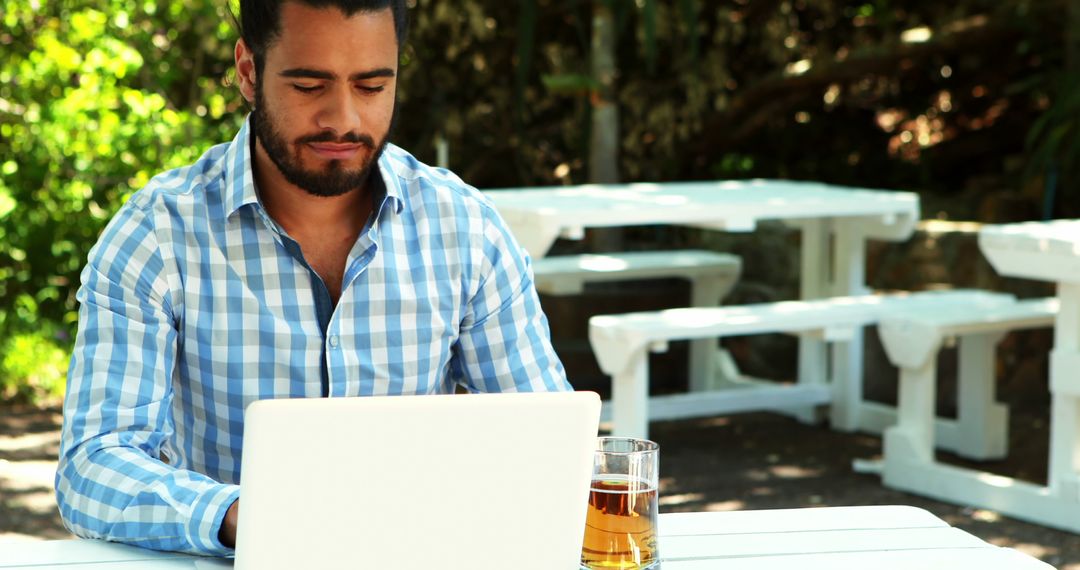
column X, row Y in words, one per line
column 324, row 102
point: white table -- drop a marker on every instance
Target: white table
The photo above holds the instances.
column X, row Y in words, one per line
column 836, row 222
column 1047, row 251
column 837, row 538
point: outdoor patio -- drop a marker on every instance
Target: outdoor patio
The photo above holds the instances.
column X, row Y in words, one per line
column 750, row 461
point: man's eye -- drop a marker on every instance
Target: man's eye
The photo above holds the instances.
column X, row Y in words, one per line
column 371, row 90
column 306, row 88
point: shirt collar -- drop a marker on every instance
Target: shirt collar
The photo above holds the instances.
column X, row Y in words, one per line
column 240, row 178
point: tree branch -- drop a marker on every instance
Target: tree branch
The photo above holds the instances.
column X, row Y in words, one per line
column 751, row 108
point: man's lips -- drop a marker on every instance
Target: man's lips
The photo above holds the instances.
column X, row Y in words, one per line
column 335, row 151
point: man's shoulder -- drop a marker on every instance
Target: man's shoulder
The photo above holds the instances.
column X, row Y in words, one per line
column 185, row 183
column 419, row 182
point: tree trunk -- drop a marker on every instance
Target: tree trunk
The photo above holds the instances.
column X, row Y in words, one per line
column 604, row 146
column 604, row 135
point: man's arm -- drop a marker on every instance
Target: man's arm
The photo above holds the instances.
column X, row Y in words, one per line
column 110, row 482
column 504, row 344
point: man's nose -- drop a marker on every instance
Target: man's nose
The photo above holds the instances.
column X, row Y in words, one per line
column 341, row 112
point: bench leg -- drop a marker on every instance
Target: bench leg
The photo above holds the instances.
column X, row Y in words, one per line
column 630, row 398
column 705, row 292
column 983, row 423
column 912, row 438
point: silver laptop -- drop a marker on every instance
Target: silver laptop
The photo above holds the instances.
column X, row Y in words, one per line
column 489, row 481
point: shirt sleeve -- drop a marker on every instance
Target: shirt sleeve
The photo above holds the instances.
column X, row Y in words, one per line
column 504, row 344
column 111, row 482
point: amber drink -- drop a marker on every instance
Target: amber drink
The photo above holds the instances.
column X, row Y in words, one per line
column 620, row 525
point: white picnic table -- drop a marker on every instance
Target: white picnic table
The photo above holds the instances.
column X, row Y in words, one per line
column 835, row 222
column 1048, row 251
column 830, row 538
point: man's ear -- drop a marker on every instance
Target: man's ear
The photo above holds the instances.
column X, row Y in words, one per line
column 245, row 71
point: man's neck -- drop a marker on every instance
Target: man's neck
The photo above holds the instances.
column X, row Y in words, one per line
column 301, row 213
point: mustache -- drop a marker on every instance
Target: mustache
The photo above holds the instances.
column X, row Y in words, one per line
column 347, row 138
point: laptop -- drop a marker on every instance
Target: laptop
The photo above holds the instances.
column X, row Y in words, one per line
column 483, row 481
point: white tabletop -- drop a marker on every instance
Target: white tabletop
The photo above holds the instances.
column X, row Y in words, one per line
column 538, row 215
column 836, row 538
column 1036, row 250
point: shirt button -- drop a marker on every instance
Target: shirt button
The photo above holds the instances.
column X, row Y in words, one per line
column 334, row 341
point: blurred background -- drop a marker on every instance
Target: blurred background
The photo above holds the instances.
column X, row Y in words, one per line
column 974, row 104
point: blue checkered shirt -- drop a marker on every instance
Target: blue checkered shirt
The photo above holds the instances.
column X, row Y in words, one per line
column 195, row 303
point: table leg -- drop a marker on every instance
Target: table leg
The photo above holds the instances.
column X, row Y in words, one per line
column 1065, row 397
column 849, row 279
column 815, row 278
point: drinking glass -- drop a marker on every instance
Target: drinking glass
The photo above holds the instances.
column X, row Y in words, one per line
column 620, row 528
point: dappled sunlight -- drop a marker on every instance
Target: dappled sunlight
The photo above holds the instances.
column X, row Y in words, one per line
column 603, row 263
column 22, row 476
column 999, row 481
column 680, row 499
column 794, row 472
column 756, row 475
column 41, row 502
column 798, row 68
column 29, row 441
column 1041, row 551
column 937, row 228
column 984, row 515
column 28, row 483
column 921, row 34
column 723, row 506
column 19, row 537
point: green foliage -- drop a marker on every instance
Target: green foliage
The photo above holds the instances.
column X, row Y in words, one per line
column 1054, row 138
column 95, row 98
column 33, row 368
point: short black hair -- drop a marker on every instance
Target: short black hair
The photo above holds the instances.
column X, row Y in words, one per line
column 260, row 20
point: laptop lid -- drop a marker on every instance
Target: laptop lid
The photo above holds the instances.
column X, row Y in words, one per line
column 488, row 481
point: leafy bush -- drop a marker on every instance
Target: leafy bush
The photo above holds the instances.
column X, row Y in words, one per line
column 95, row 98
column 32, row 368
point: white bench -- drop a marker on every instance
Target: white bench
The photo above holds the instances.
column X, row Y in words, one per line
column 711, row 276
column 912, row 342
column 622, row 343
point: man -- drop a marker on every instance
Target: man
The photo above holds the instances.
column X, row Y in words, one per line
column 308, row 258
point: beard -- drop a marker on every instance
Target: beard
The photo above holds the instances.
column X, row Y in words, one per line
column 333, row 180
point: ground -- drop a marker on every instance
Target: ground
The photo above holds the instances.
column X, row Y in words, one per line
column 748, row 461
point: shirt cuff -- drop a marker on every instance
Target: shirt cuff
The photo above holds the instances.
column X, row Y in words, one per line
column 208, row 513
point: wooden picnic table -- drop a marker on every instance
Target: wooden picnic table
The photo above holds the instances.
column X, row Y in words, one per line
column 1048, row 251
column 836, row 223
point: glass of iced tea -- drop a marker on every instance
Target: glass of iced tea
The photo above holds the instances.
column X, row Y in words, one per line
column 620, row 528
